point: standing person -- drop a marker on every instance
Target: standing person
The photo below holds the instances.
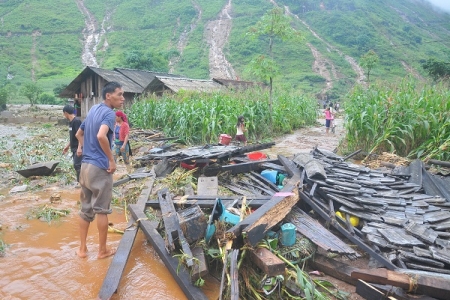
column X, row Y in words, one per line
column 121, row 134
column 240, row 129
column 96, row 177
column 74, row 125
column 328, row 118
column 77, row 107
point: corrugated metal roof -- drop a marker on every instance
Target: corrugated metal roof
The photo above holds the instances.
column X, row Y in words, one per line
column 142, row 77
column 177, row 84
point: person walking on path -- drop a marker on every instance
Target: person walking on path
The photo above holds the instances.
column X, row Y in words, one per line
column 328, row 118
column 121, row 135
column 240, row 129
column 74, row 125
column 95, row 137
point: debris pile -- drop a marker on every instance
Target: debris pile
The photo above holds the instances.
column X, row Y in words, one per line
column 253, row 223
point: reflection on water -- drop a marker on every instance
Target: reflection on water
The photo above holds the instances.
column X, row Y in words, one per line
column 41, row 262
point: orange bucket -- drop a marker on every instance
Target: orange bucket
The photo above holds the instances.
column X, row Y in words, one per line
column 224, row 139
column 256, row 156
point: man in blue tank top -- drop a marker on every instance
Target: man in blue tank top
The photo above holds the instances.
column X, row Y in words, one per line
column 95, row 137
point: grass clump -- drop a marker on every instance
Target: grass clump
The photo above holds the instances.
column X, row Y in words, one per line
column 47, row 213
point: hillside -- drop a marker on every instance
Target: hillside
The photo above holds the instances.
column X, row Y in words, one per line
column 51, row 41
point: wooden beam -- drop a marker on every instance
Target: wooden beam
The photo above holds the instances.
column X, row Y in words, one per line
column 169, row 216
column 234, row 275
column 369, row 292
column 334, row 268
column 421, row 284
column 268, row 262
column 119, row 261
column 179, row 273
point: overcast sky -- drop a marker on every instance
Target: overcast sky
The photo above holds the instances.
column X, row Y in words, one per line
column 443, row 4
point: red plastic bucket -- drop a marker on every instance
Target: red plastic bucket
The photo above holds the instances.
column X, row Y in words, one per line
column 256, row 156
column 224, row 139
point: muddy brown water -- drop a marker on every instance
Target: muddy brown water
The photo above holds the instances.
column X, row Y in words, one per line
column 40, row 262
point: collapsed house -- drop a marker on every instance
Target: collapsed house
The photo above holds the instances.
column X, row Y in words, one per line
column 86, row 88
column 279, row 211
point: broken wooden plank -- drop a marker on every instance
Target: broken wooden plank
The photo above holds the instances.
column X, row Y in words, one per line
column 428, row 285
column 234, row 275
column 245, row 167
column 200, row 268
column 439, row 162
column 119, row 260
column 333, row 268
column 264, row 180
column 169, row 216
column 268, row 215
column 268, row 262
column 179, row 273
column 273, row 166
column 258, row 223
column 369, row 292
column 318, row 234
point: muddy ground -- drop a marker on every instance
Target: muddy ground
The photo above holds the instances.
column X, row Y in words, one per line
column 32, row 242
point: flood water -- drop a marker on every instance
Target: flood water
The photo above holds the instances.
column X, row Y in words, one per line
column 40, row 262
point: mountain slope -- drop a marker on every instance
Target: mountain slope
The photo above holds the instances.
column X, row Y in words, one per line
column 51, row 41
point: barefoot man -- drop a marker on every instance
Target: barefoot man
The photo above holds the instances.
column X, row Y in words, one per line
column 96, row 177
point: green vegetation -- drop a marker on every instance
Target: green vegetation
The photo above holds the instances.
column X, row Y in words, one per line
column 3, row 247
column 274, row 25
column 438, row 70
column 369, row 61
column 47, row 213
column 45, row 38
column 44, row 143
column 32, row 92
column 406, row 119
column 201, row 117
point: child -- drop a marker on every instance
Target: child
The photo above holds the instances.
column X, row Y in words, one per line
column 328, row 118
column 240, row 129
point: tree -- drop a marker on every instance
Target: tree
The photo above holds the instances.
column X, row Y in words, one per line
column 274, row 24
column 368, row 61
column 32, row 91
column 3, row 98
column 140, row 60
column 438, row 70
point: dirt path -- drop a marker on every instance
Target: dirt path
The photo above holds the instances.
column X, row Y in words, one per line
column 305, row 139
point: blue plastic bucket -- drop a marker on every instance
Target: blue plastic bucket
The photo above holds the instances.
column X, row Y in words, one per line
column 270, row 175
column 288, row 235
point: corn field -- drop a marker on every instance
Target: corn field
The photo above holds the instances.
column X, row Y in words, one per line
column 408, row 120
column 201, row 117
